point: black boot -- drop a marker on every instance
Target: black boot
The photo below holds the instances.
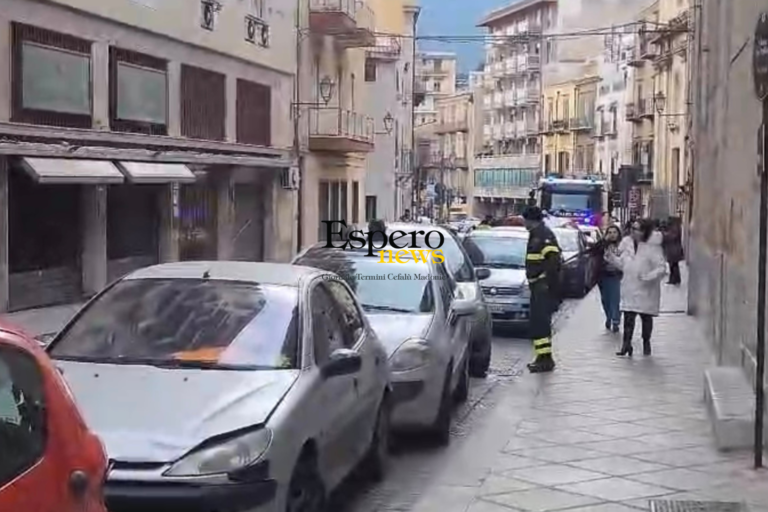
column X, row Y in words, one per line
column 646, row 347
column 626, row 349
column 542, row 364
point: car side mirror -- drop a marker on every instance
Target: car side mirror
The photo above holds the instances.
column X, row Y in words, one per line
column 482, row 273
column 342, row 362
column 464, row 307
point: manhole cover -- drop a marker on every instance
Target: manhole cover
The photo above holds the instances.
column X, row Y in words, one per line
column 696, row 506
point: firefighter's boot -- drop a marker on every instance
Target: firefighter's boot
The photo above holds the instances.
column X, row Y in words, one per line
column 542, row 364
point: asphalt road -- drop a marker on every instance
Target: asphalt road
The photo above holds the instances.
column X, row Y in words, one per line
column 415, row 459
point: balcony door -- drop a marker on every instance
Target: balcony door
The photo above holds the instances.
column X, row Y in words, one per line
column 331, row 205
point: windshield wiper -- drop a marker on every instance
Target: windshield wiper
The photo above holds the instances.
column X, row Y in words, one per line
column 386, row 308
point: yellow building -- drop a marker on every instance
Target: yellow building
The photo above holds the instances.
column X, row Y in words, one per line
column 568, row 125
column 455, row 129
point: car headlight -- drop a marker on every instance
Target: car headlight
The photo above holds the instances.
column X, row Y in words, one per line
column 526, row 291
column 225, row 457
column 412, row 354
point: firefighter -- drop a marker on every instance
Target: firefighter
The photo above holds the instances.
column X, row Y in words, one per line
column 542, row 268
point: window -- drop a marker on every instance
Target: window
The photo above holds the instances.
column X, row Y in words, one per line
column 22, row 413
column 332, row 203
column 351, row 322
column 203, row 103
column 437, row 87
column 446, row 287
column 203, row 323
column 370, row 208
column 370, row 70
column 138, row 93
column 355, row 202
column 51, row 78
column 327, row 335
column 254, row 113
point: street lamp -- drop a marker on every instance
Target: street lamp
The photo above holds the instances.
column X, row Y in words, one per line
column 326, row 87
column 660, row 102
column 388, row 123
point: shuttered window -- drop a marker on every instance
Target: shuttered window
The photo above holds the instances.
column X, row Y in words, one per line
column 254, row 113
column 203, row 103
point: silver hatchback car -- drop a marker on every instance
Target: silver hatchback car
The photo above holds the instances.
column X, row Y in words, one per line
column 228, row 386
column 416, row 310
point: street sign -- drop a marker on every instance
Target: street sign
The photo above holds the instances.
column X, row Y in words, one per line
column 760, row 57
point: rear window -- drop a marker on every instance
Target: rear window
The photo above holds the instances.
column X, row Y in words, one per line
column 187, row 323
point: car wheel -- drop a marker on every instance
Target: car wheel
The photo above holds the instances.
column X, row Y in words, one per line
column 442, row 425
column 481, row 359
column 306, row 492
column 462, row 389
column 375, row 462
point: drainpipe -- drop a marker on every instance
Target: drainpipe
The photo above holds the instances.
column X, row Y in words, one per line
column 296, row 129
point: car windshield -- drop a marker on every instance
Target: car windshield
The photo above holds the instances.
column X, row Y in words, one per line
column 394, row 287
column 496, row 251
column 568, row 240
column 187, row 323
column 570, row 202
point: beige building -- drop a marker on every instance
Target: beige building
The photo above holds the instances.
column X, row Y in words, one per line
column 133, row 133
column 334, row 113
column 455, row 130
column 568, row 130
column 435, row 77
column 671, row 104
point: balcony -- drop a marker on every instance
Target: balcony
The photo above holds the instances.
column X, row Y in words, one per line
column 341, row 131
column 580, row 124
column 461, row 124
column 498, row 99
column 645, row 178
column 523, row 162
column 531, row 128
column 633, row 58
column 509, row 99
column 532, row 95
column 387, row 48
column 645, row 108
column 350, row 21
column 533, row 62
column 632, row 113
column 560, row 125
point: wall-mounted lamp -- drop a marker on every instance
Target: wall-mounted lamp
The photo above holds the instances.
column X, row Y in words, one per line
column 326, row 87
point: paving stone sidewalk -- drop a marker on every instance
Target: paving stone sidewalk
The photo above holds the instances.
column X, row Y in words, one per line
column 601, row 433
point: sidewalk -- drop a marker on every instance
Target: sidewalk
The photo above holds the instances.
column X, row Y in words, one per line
column 601, row 433
column 42, row 321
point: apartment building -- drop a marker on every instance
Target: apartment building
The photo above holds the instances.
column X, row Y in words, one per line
column 568, row 129
column 133, row 133
column 389, row 79
column 435, row 77
column 613, row 133
column 670, row 65
column 640, row 110
column 455, row 131
column 335, row 114
column 508, row 163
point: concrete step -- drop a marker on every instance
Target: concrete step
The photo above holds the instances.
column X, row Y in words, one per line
column 731, row 404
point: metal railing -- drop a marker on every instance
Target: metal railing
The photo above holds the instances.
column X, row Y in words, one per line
column 534, row 62
column 337, row 122
column 523, row 161
column 581, row 123
column 348, row 7
column 389, row 46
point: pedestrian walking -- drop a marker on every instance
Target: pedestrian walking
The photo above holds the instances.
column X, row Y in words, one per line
column 641, row 259
column 542, row 269
column 673, row 249
column 609, row 277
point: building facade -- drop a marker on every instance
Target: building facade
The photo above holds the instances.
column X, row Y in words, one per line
column 455, row 131
column 435, row 77
column 135, row 133
column 389, row 78
column 613, row 133
column 671, row 105
column 568, row 130
column 509, row 161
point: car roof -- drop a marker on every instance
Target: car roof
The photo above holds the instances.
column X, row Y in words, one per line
column 500, row 232
column 281, row 274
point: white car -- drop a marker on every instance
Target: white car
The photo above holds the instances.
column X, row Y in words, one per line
column 219, row 386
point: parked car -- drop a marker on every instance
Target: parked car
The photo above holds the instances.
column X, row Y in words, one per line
column 49, row 460
column 468, row 281
column 502, row 251
column 228, row 386
column 423, row 323
column 578, row 267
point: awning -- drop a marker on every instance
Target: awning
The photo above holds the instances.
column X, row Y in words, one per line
column 146, row 172
column 64, row 171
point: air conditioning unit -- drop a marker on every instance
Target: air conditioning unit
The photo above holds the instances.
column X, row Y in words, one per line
column 208, row 12
column 290, row 179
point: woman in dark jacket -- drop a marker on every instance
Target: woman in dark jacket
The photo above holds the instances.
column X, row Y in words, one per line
column 673, row 249
column 609, row 278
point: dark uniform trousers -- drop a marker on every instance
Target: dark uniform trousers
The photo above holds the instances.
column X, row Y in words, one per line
column 542, row 265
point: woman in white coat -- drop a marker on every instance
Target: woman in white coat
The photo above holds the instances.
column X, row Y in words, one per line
column 641, row 259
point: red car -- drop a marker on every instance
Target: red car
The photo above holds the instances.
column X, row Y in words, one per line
column 49, row 460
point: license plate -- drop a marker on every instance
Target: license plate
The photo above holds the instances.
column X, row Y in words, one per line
column 498, row 308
